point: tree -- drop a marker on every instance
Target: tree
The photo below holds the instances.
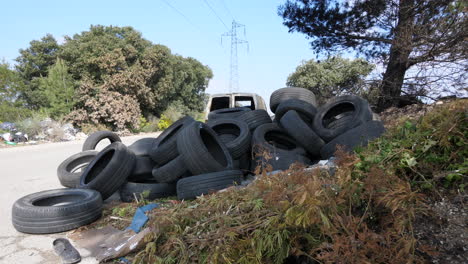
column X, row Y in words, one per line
column 33, row 63
column 331, row 77
column 113, row 68
column 400, row 33
column 59, row 89
column 11, row 107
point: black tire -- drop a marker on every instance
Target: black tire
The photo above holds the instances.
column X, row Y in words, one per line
column 143, row 169
column 273, row 138
column 337, row 107
column 171, row 171
column 341, row 120
column 202, row 150
column 280, row 147
column 143, row 147
column 55, row 211
column 70, row 170
column 241, row 143
column 301, row 107
column 243, row 163
column 227, row 113
column 284, row 94
column 155, row 190
column 255, row 118
column 299, row 127
column 358, row 136
column 165, row 149
column 109, row 170
column 191, row 187
column 96, row 137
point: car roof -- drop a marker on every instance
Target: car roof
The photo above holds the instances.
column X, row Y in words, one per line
column 235, row 94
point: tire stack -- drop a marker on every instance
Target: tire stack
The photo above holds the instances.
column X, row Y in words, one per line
column 344, row 120
column 191, row 158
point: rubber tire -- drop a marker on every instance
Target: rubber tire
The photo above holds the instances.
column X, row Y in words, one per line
column 341, row 121
column 258, row 138
column 165, row 149
column 243, row 163
column 241, row 142
column 143, row 147
column 299, row 106
column 156, row 190
column 337, row 106
column 191, row 187
column 255, row 118
column 96, row 137
column 281, row 157
column 281, row 160
column 171, row 171
column 287, row 93
column 65, row 171
column 227, row 113
column 300, row 129
column 109, row 170
column 143, row 169
column 28, row 217
column 198, row 157
column 358, row 136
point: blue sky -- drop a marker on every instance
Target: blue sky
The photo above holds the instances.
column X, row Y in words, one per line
column 274, row 53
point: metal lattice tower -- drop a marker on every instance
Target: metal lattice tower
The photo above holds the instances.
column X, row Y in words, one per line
column 234, row 73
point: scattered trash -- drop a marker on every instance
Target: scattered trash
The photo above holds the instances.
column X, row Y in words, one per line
column 7, row 126
column 64, row 249
column 140, row 218
column 6, row 136
column 108, row 242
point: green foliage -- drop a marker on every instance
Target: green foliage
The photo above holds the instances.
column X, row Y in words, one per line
column 33, row 63
column 11, row 108
column 164, row 122
column 88, row 128
column 119, row 76
column 32, row 124
column 59, row 89
column 401, row 34
column 124, row 211
column 331, row 77
column 429, row 152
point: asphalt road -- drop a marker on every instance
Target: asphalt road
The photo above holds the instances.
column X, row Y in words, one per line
column 28, row 169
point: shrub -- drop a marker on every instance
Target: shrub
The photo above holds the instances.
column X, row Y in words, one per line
column 100, row 106
column 150, row 125
column 91, row 128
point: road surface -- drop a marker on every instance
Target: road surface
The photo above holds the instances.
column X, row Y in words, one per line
column 28, row 169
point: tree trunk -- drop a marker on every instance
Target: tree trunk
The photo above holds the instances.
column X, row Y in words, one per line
column 398, row 63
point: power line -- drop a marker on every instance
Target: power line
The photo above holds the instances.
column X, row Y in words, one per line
column 216, row 14
column 182, row 14
column 235, row 41
column 227, row 8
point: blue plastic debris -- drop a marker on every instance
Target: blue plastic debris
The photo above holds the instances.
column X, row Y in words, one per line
column 124, row 260
column 140, row 218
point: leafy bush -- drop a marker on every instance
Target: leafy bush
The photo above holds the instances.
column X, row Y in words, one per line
column 428, row 152
column 11, row 113
column 91, row 128
column 164, row 122
column 150, row 125
column 32, row 125
column 100, row 106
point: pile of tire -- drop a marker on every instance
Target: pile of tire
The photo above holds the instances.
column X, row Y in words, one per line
column 191, row 158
